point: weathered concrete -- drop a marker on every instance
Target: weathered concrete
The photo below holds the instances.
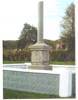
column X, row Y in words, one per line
column 38, row 82
column 40, row 56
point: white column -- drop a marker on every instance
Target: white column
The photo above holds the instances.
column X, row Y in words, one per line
column 40, row 22
column 65, row 84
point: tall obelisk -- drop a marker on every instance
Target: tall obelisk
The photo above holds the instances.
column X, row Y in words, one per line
column 40, row 22
column 40, row 50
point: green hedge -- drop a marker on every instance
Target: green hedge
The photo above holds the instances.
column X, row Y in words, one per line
column 25, row 55
column 14, row 55
column 62, row 55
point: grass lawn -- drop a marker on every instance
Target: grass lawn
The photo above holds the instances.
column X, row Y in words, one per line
column 63, row 62
column 12, row 94
column 51, row 62
column 12, row 62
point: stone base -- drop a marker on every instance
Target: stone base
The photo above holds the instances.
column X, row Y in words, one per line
column 41, row 67
column 40, row 56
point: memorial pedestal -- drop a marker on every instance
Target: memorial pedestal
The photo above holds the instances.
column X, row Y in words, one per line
column 40, row 56
column 40, row 50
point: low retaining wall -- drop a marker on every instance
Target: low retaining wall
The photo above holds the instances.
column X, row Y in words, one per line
column 40, row 81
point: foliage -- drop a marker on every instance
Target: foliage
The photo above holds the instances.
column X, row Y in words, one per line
column 68, row 28
column 17, row 55
column 61, row 55
column 25, row 55
column 28, row 36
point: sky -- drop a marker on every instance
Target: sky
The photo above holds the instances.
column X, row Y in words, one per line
column 15, row 13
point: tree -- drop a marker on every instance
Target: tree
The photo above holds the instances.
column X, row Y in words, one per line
column 68, row 28
column 28, row 36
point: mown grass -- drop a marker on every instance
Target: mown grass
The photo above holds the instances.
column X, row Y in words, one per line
column 51, row 62
column 12, row 62
column 63, row 62
column 12, row 94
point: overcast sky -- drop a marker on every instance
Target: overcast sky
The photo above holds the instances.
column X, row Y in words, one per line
column 14, row 13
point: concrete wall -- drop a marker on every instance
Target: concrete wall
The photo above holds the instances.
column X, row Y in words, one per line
column 59, row 81
column 33, row 82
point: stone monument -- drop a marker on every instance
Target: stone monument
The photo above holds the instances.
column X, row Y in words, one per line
column 40, row 50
